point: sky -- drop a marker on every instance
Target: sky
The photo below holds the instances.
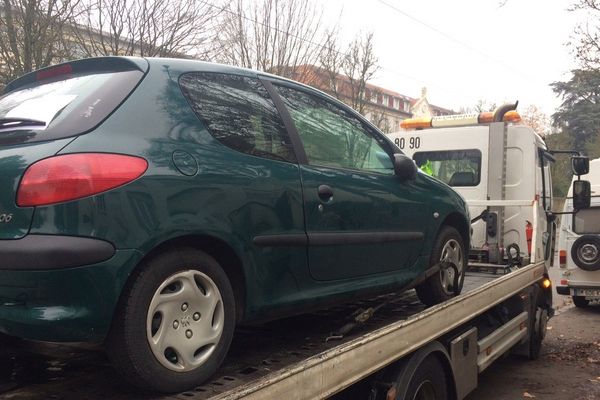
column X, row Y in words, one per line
column 464, row 51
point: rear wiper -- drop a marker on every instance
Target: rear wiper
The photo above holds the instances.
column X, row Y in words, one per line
column 6, row 123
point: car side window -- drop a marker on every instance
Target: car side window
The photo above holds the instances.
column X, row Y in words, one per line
column 239, row 113
column 333, row 137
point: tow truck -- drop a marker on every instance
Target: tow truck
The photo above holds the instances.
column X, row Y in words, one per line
column 391, row 346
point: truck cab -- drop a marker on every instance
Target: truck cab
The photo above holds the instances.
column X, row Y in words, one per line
column 501, row 168
column 579, row 245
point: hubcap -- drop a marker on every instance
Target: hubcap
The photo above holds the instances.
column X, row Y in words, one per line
column 588, row 253
column 185, row 320
column 452, row 253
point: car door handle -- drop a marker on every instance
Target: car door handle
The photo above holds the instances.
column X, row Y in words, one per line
column 325, row 193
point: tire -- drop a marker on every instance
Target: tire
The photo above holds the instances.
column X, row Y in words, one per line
column 580, row 301
column 536, row 337
column 428, row 382
column 174, row 322
column 449, row 245
column 585, row 252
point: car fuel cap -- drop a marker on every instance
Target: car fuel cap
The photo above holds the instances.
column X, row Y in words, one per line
column 185, row 163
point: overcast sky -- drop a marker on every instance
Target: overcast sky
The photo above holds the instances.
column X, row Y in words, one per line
column 466, row 50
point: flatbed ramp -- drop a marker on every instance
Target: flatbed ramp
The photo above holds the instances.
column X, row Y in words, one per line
column 284, row 359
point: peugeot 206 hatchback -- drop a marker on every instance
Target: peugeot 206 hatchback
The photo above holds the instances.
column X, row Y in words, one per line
column 155, row 204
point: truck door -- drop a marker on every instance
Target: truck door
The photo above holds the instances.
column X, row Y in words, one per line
column 360, row 219
column 547, row 223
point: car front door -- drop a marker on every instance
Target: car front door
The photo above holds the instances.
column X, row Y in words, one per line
column 360, row 218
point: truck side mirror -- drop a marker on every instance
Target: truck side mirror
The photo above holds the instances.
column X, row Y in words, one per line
column 582, row 194
column 580, row 165
column 404, row 167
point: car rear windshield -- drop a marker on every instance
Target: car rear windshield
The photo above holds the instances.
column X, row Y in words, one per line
column 62, row 107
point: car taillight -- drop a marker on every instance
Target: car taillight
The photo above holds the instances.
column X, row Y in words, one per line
column 74, row 176
column 562, row 259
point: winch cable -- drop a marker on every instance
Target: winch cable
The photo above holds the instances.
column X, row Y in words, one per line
column 360, row 316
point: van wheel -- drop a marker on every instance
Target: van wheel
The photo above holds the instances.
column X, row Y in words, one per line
column 585, row 252
column 174, row 323
column 448, row 247
column 580, row 301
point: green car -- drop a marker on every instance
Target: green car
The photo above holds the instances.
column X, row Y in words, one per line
column 154, row 204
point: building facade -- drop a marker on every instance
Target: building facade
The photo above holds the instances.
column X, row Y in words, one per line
column 383, row 107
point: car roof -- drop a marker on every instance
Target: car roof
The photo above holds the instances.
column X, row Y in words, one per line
column 208, row 66
column 198, row 65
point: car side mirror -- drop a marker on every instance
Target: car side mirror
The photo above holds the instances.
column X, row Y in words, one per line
column 582, row 194
column 580, row 165
column 404, row 167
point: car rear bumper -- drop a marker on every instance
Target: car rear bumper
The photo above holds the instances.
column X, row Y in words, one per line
column 44, row 252
column 72, row 304
column 583, row 291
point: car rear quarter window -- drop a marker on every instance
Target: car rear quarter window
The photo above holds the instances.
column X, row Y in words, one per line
column 63, row 106
column 239, row 113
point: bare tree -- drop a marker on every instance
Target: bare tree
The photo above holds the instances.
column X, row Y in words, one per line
column 32, row 34
column 332, row 60
column 277, row 36
column 537, row 120
column 348, row 72
column 585, row 43
column 380, row 120
column 152, row 28
column 482, row 105
column 360, row 66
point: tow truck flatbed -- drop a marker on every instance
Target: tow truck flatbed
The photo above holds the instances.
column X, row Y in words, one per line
column 288, row 358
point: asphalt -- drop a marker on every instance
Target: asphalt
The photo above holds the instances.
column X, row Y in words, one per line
column 569, row 365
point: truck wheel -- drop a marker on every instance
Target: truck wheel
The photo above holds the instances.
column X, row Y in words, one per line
column 174, row 323
column 538, row 333
column 580, row 301
column 428, row 382
column 448, row 246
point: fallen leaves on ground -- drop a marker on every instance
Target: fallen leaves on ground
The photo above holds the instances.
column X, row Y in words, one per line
column 581, row 352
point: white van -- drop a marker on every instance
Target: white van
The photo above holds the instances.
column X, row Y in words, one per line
column 502, row 168
column 579, row 245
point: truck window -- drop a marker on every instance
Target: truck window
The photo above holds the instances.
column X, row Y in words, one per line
column 587, row 221
column 545, row 180
column 453, row 167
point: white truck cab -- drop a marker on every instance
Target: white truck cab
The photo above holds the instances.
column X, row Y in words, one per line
column 501, row 169
column 579, row 245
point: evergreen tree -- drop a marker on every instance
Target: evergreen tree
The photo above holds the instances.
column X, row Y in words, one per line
column 579, row 114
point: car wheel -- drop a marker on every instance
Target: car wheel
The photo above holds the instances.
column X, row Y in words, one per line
column 580, row 301
column 174, row 323
column 448, row 247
